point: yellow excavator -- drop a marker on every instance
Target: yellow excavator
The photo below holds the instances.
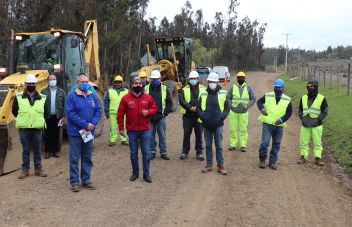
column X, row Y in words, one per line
column 60, row 52
column 173, row 58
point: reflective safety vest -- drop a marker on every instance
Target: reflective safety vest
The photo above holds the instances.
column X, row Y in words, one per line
column 163, row 95
column 187, row 94
column 274, row 111
column 240, row 99
column 30, row 116
column 314, row 110
column 221, row 100
column 115, row 99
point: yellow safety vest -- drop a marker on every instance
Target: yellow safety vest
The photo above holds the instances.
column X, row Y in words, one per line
column 163, row 95
column 115, row 99
column 274, row 111
column 221, row 100
column 237, row 99
column 187, row 94
column 314, row 110
column 30, row 116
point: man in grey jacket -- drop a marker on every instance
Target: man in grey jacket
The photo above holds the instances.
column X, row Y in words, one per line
column 242, row 98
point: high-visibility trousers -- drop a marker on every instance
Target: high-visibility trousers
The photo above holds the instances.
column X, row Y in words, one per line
column 238, row 128
column 304, row 139
column 114, row 129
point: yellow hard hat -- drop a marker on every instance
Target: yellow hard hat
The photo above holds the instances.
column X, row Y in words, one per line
column 118, row 78
column 241, row 74
column 142, row 74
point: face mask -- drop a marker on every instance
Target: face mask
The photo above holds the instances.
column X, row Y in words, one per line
column 31, row 88
column 240, row 81
column 155, row 83
column 212, row 86
column 53, row 56
column 137, row 89
column 278, row 92
column 311, row 91
column 193, row 82
column 83, row 87
column 52, row 83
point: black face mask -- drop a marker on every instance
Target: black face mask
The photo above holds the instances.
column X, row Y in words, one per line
column 240, row 81
column 137, row 89
column 31, row 88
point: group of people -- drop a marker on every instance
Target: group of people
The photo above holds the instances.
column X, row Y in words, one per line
column 138, row 114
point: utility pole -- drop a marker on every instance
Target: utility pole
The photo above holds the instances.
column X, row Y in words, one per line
column 286, row 50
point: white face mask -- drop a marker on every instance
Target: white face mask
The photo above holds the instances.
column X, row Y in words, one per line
column 212, row 86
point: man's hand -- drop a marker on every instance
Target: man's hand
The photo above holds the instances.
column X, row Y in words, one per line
column 122, row 133
column 145, row 113
column 264, row 112
column 90, row 127
column 63, row 120
column 193, row 109
column 277, row 122
column 107, row 115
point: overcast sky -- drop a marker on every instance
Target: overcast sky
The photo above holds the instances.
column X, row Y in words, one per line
column 312, row 24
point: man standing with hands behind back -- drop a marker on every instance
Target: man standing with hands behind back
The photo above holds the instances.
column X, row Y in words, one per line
column 138, row 107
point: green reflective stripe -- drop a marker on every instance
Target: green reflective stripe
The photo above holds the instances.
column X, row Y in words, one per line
column 187, row 95
column 284, row 98
column 240, row 99
column 163, row 95
column 221, row 100
column 313, row 111
column 270, row 95
column 274, row 111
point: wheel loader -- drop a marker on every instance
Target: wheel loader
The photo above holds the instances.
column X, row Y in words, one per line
column 173, row 58
column 60, row 52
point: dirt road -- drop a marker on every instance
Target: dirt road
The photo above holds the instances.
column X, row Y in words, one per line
column 180, row 195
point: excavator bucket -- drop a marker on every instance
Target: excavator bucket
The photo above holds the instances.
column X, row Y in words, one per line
column 10, row 148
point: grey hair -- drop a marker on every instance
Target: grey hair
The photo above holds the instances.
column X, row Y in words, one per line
column 79, row 76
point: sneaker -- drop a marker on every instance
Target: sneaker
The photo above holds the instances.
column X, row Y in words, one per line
column 183, row 156
column 207, row 169
column 40, row 172
column 301, row 160
column 75, row 188
column 243, row 149
column 232, row 148
column 319, row 162
column 165, row 157
column 89, row 186
column 111, row 144
column 221, row 169
column 124, row 143
column 200, row 157
column 152, row 156
column 24, row 174
column 272, row 166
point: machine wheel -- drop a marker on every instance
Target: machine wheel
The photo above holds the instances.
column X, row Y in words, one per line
column 171, row 85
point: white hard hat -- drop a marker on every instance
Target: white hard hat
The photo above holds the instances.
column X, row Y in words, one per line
column 193, row 74
column 155, row 74
column 213, row 77
column 30, row 79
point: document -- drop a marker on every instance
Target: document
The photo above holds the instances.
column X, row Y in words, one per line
column 86, row 136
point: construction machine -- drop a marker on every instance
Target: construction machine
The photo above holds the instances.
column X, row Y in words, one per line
column 173, row 58
column 60, row 52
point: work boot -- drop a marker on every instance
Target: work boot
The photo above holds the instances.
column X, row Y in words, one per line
column 207, row 169
column 165, row 157
column 40, row 172
column 24, row 174
column 262, row 163
column 301, row 160
column 272, row 166
column 232, row 148
column 111, row 144
column 200, row 157
column 319, row 162
column 124, row 143
column 243, row 149
column 47, row 155
column 221, row 169
column 152, row 156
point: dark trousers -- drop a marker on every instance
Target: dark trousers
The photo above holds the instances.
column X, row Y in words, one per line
column 188, row 124
column 51, row 135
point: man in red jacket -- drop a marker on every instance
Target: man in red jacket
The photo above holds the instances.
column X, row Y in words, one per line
column 138, row 107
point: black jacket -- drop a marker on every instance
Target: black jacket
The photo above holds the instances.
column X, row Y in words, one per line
column 155, row 92
column 307, row 121
column 193, row 102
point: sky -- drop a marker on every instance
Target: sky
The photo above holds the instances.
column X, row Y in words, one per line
column 311, row 24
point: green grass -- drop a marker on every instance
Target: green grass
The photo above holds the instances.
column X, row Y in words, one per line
column 338, row 124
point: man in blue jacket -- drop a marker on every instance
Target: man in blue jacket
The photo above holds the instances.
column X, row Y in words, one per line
column 213, row 108
column 83, row 111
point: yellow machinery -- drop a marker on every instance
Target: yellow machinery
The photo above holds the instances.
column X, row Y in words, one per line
column 174, row 61
column 34, row 53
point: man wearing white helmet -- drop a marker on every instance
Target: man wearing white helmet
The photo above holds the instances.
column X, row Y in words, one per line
column 28, row 108
column 188, row 100
column 161, row 96
column 212, row 110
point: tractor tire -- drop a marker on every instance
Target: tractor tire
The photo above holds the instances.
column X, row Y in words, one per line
column 171, row 85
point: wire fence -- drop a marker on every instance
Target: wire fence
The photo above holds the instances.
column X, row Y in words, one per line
column 338, row 77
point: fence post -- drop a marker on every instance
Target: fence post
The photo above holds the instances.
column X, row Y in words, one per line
column 330, row 77
column 315, row 72
column 348, row 80
column 338, row 78
column 324, row 74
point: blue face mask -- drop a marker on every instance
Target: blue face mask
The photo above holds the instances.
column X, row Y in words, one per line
column 278, row 92
column 83, row 87
column 52, row 83
column 53, row 56
column 155, row 83
column 193, row 82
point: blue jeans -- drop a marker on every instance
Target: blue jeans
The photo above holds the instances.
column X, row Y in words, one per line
column 276, row 133
column 143, row 137
column 31, row 137
column 208, row 136
column 160, row 128
column 79, row 149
